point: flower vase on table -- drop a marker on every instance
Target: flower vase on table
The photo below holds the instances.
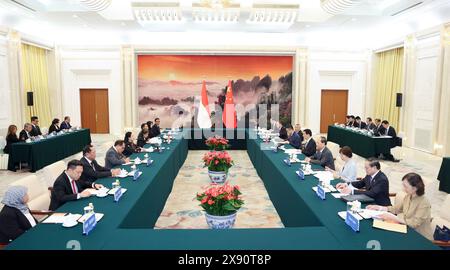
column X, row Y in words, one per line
column 221, row 204
column 218, row 164
column 217, row 143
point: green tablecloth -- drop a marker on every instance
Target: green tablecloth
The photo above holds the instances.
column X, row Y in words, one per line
column 128, row 224
column 45, row 152
column 297, row 204
column 444, row 175
column 362, row 145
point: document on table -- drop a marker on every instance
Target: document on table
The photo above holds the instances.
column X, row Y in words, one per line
column 326, row 189
column 123, row 174
column 99, row 191
column 343, row 215
column 98, row 217
column 56, row 218
column 148, row 150
column 382, row 137
column 292, row 151
column 393, row 227
column 368, row 214
column 324, row 176
column 338, row 195
column 113, row 190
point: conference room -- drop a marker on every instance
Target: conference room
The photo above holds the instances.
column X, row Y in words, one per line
column 317, row 125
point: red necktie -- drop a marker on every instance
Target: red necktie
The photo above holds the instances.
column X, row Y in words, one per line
column 74, row 187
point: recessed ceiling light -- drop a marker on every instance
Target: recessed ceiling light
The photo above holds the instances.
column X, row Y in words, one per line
column 354, row 19
column 74, row 16
column 307, row 26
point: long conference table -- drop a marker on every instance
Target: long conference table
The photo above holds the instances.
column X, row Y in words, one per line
column 39, row 154
column 361, row 144
column 310, row 223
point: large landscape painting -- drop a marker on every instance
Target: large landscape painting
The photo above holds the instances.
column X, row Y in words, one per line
column 170, row 84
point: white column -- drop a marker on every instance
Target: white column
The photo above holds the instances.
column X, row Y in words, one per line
column 15, row 75
column 442, row 144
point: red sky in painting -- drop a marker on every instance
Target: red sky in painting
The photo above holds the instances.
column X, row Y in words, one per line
column 211, row 67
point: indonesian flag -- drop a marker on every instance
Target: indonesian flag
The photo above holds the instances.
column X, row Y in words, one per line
column 229, row 113
column 203, row 117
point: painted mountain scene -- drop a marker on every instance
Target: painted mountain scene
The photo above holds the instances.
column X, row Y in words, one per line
column 169, row 86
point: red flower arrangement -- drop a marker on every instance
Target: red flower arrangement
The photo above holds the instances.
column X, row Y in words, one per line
column 217, row 143
column 218, row 161
column 221, row 200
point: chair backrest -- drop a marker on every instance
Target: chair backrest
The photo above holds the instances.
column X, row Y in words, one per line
column 2, row 142
column 35, row 187
column 52, row 171
column 37, row 191
column 445, row 208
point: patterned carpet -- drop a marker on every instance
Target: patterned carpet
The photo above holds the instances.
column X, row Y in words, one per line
column 182, row 211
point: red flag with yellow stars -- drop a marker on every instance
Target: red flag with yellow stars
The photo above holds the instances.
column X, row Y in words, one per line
column 229, row 113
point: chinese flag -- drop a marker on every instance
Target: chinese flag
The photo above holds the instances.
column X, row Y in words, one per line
column 229, row 113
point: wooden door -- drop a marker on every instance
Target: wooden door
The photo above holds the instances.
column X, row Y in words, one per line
column 333, row 108
column 94, row 110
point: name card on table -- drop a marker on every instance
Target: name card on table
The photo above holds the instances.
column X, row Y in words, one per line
column 149, row 162
column 300, row 174
column 287, row 161
column 320, row 192
column 118, row 194
column 352, row 221
column 89, row 224
column 136, row 175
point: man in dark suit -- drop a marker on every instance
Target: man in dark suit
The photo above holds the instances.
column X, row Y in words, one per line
column 309, row 149
column 350, row 121
column 155, row 131
column 374, row 185
column 293, row 138
column 114, row 156
column 390, row 131
column 378, row 131
column 370, row 125
column 69, row 187
column 66, row 123
column 323, row 156
column 25, row 134
column 298, row 130
column 359, row 124
column 91, row 169
column 36, row 131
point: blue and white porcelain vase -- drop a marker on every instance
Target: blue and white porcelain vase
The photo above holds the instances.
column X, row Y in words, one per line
column 220, row 222
column 218, row 177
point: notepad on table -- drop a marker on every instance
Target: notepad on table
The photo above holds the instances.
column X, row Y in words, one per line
column 388, row 226
column 55, row 218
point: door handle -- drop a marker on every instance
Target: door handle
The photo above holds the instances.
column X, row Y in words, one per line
column 96, row 117
column 334, row 117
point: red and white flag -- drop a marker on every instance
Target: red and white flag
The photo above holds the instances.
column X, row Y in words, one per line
column 203, row 116
column 229, row 112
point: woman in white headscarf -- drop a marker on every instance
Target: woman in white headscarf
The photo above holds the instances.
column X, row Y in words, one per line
column 15, row 217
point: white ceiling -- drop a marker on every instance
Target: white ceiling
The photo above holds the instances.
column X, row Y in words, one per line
column 368, row 24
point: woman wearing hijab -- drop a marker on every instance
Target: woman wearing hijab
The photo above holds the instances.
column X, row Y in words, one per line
column 15, row 217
